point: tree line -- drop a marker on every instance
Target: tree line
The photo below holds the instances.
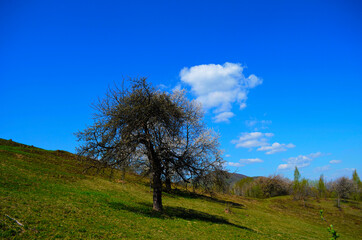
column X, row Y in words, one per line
column 300, row 188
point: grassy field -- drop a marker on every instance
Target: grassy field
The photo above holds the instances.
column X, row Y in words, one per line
column 47, row 192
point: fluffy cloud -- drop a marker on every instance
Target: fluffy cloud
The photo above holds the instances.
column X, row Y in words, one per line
column 253, row 139
column 276, row 147
column 335, row 161
column 242, row 162
column 223, row 117
column 218, row 86
column 300, row 161
column 261, row 141
column 282, row 166
column 233, row 164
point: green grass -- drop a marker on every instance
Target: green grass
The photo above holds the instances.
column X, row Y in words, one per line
column 47, row 192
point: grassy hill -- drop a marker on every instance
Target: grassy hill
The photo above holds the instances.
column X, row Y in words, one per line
column 47, row 193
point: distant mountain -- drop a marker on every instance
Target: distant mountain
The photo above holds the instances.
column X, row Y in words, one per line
column 235, row 177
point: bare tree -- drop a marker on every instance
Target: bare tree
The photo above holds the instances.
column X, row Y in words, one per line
column 343, row 187
column 152, row 130
column 194, row 153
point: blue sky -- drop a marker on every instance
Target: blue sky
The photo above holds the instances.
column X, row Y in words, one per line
column 281, row 81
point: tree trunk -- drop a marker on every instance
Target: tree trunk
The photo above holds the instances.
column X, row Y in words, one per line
column 156, row 175
column 123, row 173
column 157, row 185
column 339, row 202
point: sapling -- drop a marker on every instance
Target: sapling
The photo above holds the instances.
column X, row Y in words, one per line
column 335, row 235
column 330, row 229
column 321, row 214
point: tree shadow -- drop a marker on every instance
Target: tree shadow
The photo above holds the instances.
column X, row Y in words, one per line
column 170, row 212
column 192, row 195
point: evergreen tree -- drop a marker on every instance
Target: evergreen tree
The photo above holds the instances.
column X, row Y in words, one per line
column 357, row 185
column 321, row 186
column 296, row 183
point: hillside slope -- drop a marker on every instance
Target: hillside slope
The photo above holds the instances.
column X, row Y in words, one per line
column 47, row 193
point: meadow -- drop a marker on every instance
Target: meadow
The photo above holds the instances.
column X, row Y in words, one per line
column 50, row 196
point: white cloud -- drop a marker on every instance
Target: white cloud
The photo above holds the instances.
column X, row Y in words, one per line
column 218, row 87
column 251, row 123
column 242, row 162
column 235, row 164
column 253, row 139
column 261, row 141
column 250, row 160
column 253, row 81
column 227, row 155
column 223, row 117
column 177, row 88
column 162, row 86
column 300, row 161
column 283, row 166
column 276, row 147
column 335, row 161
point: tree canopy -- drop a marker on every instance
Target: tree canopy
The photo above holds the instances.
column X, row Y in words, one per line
column 141, row 126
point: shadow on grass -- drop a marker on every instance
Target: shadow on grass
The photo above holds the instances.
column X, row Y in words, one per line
column 145, row 209
column 191, row 195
